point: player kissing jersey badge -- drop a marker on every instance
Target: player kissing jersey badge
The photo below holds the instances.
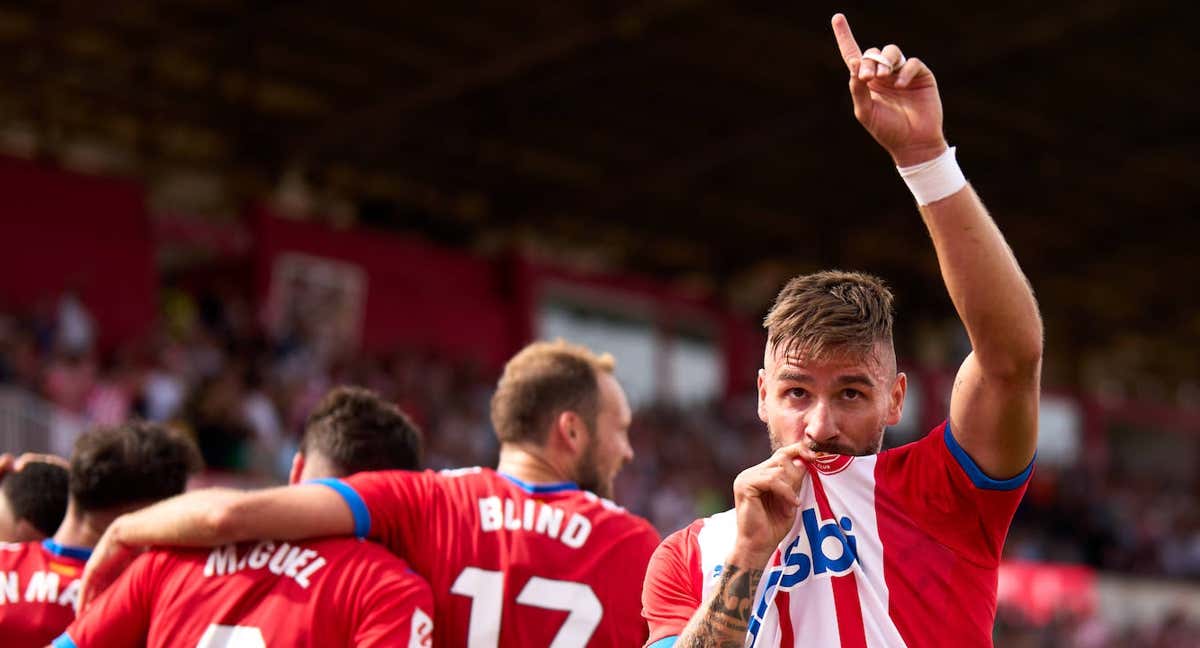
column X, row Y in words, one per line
column 831, row 464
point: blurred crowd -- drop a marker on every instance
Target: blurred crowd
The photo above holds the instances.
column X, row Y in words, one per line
column 207, row 366
column 244, row 395
column 1140, row 524
column 1013, row 630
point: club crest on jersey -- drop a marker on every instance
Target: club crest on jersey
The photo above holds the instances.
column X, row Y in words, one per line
column 830, row 464
column 826, row 548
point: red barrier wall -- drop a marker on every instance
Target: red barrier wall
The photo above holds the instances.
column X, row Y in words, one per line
column 417, row 295
column 63, row 230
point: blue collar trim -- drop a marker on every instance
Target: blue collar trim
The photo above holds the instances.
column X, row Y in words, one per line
column 78, row 553
column 540, row 489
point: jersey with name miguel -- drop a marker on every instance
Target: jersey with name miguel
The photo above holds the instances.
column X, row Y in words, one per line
column 314, row 594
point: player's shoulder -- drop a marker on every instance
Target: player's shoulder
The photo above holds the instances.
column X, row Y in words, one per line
column 471, row 480
column 486, row 481
column 15, row 553
column 700, row 548
column 15, row 547
column 467, row 474
column 370, row 563
column 356, row 549
column 614, row 521
column 931, row 444
column 465, row 486
column 719, row 528
column 358, row 554
column 723, row 523
column 611, row 509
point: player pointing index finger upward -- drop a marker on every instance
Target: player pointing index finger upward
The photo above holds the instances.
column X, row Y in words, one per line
column 857, row 547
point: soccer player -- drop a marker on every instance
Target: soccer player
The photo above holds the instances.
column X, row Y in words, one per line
column 113, row 470
column 318, row 593
column 530, row 554
column 33, row 498
column 832, row 542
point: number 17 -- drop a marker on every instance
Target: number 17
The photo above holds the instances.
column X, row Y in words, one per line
column 486, row 589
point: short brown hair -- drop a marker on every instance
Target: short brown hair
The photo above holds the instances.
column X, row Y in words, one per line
column 37, row 493
column 356, row 430
column 133, row 463
column 542, row 381
column 819, row 314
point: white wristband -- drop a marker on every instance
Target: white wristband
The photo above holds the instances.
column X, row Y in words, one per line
column 933, row 180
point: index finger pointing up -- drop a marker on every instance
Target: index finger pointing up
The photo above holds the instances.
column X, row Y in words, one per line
column 851, row 54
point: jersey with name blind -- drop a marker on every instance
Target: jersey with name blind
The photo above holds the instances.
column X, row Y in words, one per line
column 511, row 563
column 313, row 594
column 39, row 584
column 901, row 548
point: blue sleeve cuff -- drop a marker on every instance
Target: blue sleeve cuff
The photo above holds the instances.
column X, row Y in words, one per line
column 358, row 508
column 64, row 640
column 665, row 642
column 976, row 475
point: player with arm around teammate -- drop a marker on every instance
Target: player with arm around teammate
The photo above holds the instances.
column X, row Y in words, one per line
column 318, row 593
column 113, row 470
column 832, row 542
column 529, row 554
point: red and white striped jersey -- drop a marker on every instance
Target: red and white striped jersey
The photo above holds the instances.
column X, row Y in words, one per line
column 901, row 548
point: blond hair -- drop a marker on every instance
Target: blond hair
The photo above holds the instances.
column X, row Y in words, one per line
column 541, row 382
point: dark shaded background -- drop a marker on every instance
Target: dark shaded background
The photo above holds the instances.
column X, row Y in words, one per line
column 708, row 142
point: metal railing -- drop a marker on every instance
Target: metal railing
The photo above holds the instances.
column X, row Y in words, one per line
column 30, row 424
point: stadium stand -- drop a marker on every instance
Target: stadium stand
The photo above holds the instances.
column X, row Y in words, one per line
column 197, row 231
column 245, row 396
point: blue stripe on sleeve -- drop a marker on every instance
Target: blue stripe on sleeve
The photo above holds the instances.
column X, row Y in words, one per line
column 977, row 477
column 64, row 640
column 665, row 642
column 358, row 508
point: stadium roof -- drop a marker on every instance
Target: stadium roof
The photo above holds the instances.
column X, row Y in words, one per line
column 707, row 141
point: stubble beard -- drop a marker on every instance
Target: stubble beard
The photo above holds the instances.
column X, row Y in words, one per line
column 587, row 472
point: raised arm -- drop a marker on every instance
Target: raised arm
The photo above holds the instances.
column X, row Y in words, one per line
column 213, row 517
column 993, row 409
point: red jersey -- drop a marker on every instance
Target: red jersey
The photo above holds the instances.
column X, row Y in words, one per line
column 901, row 548
column 312, row 594
column 511, row 563
column 39, row 584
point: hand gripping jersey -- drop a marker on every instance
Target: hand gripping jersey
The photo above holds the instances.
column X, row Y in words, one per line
column 511, row 564
column 896, row 549
column 39, row 584
column 310, row 594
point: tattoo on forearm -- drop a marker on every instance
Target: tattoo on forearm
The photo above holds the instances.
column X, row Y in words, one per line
column 724, row 623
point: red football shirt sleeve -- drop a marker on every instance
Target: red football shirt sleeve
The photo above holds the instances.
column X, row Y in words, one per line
column 672, row 591
column 396, row 508
column 396, row 610
column 121, row 616
column 942, row 486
